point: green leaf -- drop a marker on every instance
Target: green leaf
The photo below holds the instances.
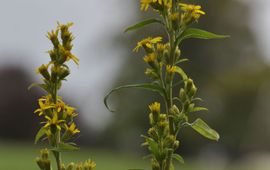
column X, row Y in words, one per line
column 198, row 33
column 181, row 73
column 178, row 158
column 202, row 128
column 65, row 147
column 152, row 146
column 197, row 109
column 182, row 60
column 146, row 86
column 142, row 24
column 42, row 86
column 39, row 134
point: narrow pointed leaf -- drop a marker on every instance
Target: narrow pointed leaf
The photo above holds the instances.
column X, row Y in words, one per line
column 197, row 109
column 146, row 86
column 39, row 134
column 42, row 86
column 142, row 24
column 202, row 128
column 65, row 147
column 198, row 33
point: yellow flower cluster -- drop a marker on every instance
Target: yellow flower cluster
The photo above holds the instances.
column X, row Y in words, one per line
column 191, row 11
column 147, row 43
column 156, row 4
column 171, row 69
column 150, row 58
column 58, row 115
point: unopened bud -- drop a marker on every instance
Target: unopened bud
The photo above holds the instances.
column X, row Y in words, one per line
column 70, row 166
column 192, row 91
column 174, row 110
column 176, row 144
column 43, row 70
column 189, row 85
column 182, row 95
column 63, row 73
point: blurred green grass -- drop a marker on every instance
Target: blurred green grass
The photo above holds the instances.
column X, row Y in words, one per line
column 21, row 156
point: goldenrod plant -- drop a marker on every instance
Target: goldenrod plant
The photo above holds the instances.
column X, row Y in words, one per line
column 164, row 59
column 58, row 126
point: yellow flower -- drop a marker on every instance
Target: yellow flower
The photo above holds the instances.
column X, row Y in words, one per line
column 54, row 122
column 171, row 69
column 68, row 54
column 89, row 164
column 150, row 58
column 193, row 10
column 147, row 43
column 59, row 106
column 155, row 107
column 72, row 129
column 70, row 111
column 44, row 104
column 145, row 3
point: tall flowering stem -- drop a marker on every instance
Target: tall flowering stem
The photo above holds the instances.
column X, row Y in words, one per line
column 164, row 60
column 58, row 126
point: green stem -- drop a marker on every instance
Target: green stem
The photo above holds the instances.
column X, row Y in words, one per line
column 57, row 154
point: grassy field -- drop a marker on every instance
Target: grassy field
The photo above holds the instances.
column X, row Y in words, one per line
column 17, row 156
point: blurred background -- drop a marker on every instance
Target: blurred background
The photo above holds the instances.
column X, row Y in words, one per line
column 232, row 76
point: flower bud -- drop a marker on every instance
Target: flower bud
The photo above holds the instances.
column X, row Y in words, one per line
column 79, row 166
column 53, row 36
column 53, row 55
column 177, row 53
column 63, row 73
column 151, row 73
column 89, row 165
column 170, row 140
column 43, row 70
column 176, row 144
column 192, row 91
column 152, row 133
column 189, row 85
column 155, row 165
column 40, row 163
column 70, row 166
column 54, row 74
column 44, row 154
column 174, row 110
column 63, row 167
column 155, row 110
column 175, row 18
column 182, row 95
column 186, row 106
column 151, row 60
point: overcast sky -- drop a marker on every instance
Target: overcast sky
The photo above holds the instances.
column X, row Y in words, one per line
column 24, row 24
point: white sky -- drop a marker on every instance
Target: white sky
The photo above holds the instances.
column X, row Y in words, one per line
column 25, row 22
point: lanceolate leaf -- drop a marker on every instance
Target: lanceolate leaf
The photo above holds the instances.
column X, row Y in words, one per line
column 181, row 73
column 146, row 86
column 42, row 86
column 202, row 128
column 62, row 147
column 142, row 24
column 39, row 135
column 198, row 33
column 197, row 109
